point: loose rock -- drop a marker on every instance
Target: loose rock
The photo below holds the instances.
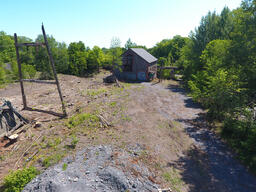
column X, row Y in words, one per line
column 101, row 171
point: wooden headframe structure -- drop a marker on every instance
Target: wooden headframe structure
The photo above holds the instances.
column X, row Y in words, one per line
column 45, row 44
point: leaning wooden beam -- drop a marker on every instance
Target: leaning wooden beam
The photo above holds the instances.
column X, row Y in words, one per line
column 169, row 67
column 54, row 71
column 48, row 112
column 39, row 81
column 20, row 73
column 30, row 44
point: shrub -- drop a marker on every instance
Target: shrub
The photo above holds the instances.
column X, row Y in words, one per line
column 29, row 71
column 90, row 119
column 46, row 75
column 16, row 180
column 240, row 133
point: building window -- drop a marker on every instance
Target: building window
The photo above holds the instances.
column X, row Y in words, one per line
column 128, row 64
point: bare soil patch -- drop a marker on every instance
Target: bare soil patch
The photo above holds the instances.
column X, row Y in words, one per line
column 157, row 116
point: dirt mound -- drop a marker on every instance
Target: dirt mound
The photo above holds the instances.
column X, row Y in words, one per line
column 100, row 168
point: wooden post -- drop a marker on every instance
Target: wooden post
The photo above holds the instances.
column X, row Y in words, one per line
column 161, row 71
column 54, row 71
column 20, row 73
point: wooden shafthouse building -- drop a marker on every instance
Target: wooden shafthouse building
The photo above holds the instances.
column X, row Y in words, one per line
column 137, row 64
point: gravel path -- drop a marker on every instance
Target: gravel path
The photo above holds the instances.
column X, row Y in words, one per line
column 224, row 172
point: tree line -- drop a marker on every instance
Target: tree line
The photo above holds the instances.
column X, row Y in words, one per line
column 217, row 61
column 75, row 59
column 218, row 64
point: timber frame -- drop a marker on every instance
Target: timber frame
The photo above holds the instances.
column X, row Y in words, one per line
column 45, row 44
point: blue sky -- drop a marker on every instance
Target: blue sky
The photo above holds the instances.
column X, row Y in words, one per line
column 95, row 22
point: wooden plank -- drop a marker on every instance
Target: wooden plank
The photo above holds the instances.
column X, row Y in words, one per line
column 54, row 71
column 39, row 81
column 48, row 112
column 30, row 44
column 20, row 73
column 168, row 67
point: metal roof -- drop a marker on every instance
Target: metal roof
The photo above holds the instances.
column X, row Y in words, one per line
column 144, row 54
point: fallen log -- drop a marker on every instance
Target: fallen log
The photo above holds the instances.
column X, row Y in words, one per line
column 104, row 121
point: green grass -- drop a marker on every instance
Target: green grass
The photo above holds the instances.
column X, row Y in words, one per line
column 174, row 179
column 53, row 158
column 51, row 143
column 74, row 141
column 125, row 117
column 81, row 118
column 2, row 85
column 64, row 166
column 113, row 104
column 16, row 180
column 96, row 92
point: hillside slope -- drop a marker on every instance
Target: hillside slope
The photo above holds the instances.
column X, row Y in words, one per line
column 176, row 146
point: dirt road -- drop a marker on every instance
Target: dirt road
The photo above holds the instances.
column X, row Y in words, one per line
column 216, row 169
column 179, row 148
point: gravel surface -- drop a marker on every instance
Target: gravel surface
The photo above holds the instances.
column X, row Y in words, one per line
column 100, row 168
column 224, row 172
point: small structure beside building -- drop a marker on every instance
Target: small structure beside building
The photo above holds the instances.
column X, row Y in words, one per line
column 137, row 64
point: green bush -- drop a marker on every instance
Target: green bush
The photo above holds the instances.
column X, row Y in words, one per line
column 46, row 75
column 29, row 71
column 16, row 180
column 241, row 136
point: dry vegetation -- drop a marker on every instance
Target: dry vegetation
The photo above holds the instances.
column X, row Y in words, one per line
column 98, row 114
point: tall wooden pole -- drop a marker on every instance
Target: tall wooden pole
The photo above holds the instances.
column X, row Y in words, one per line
column 20, row 73
column 161, row 71
column 54, row 71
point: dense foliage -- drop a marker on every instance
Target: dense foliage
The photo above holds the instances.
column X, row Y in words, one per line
column 75, row 59
column 219, row 67
column 17, row 180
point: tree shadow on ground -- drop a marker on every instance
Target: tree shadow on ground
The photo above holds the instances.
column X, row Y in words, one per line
column 209, row 165
column 176, row 89
column 188, row 101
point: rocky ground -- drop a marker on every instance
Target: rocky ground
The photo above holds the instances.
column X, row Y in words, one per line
column 155, row 136
column 100, row 168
